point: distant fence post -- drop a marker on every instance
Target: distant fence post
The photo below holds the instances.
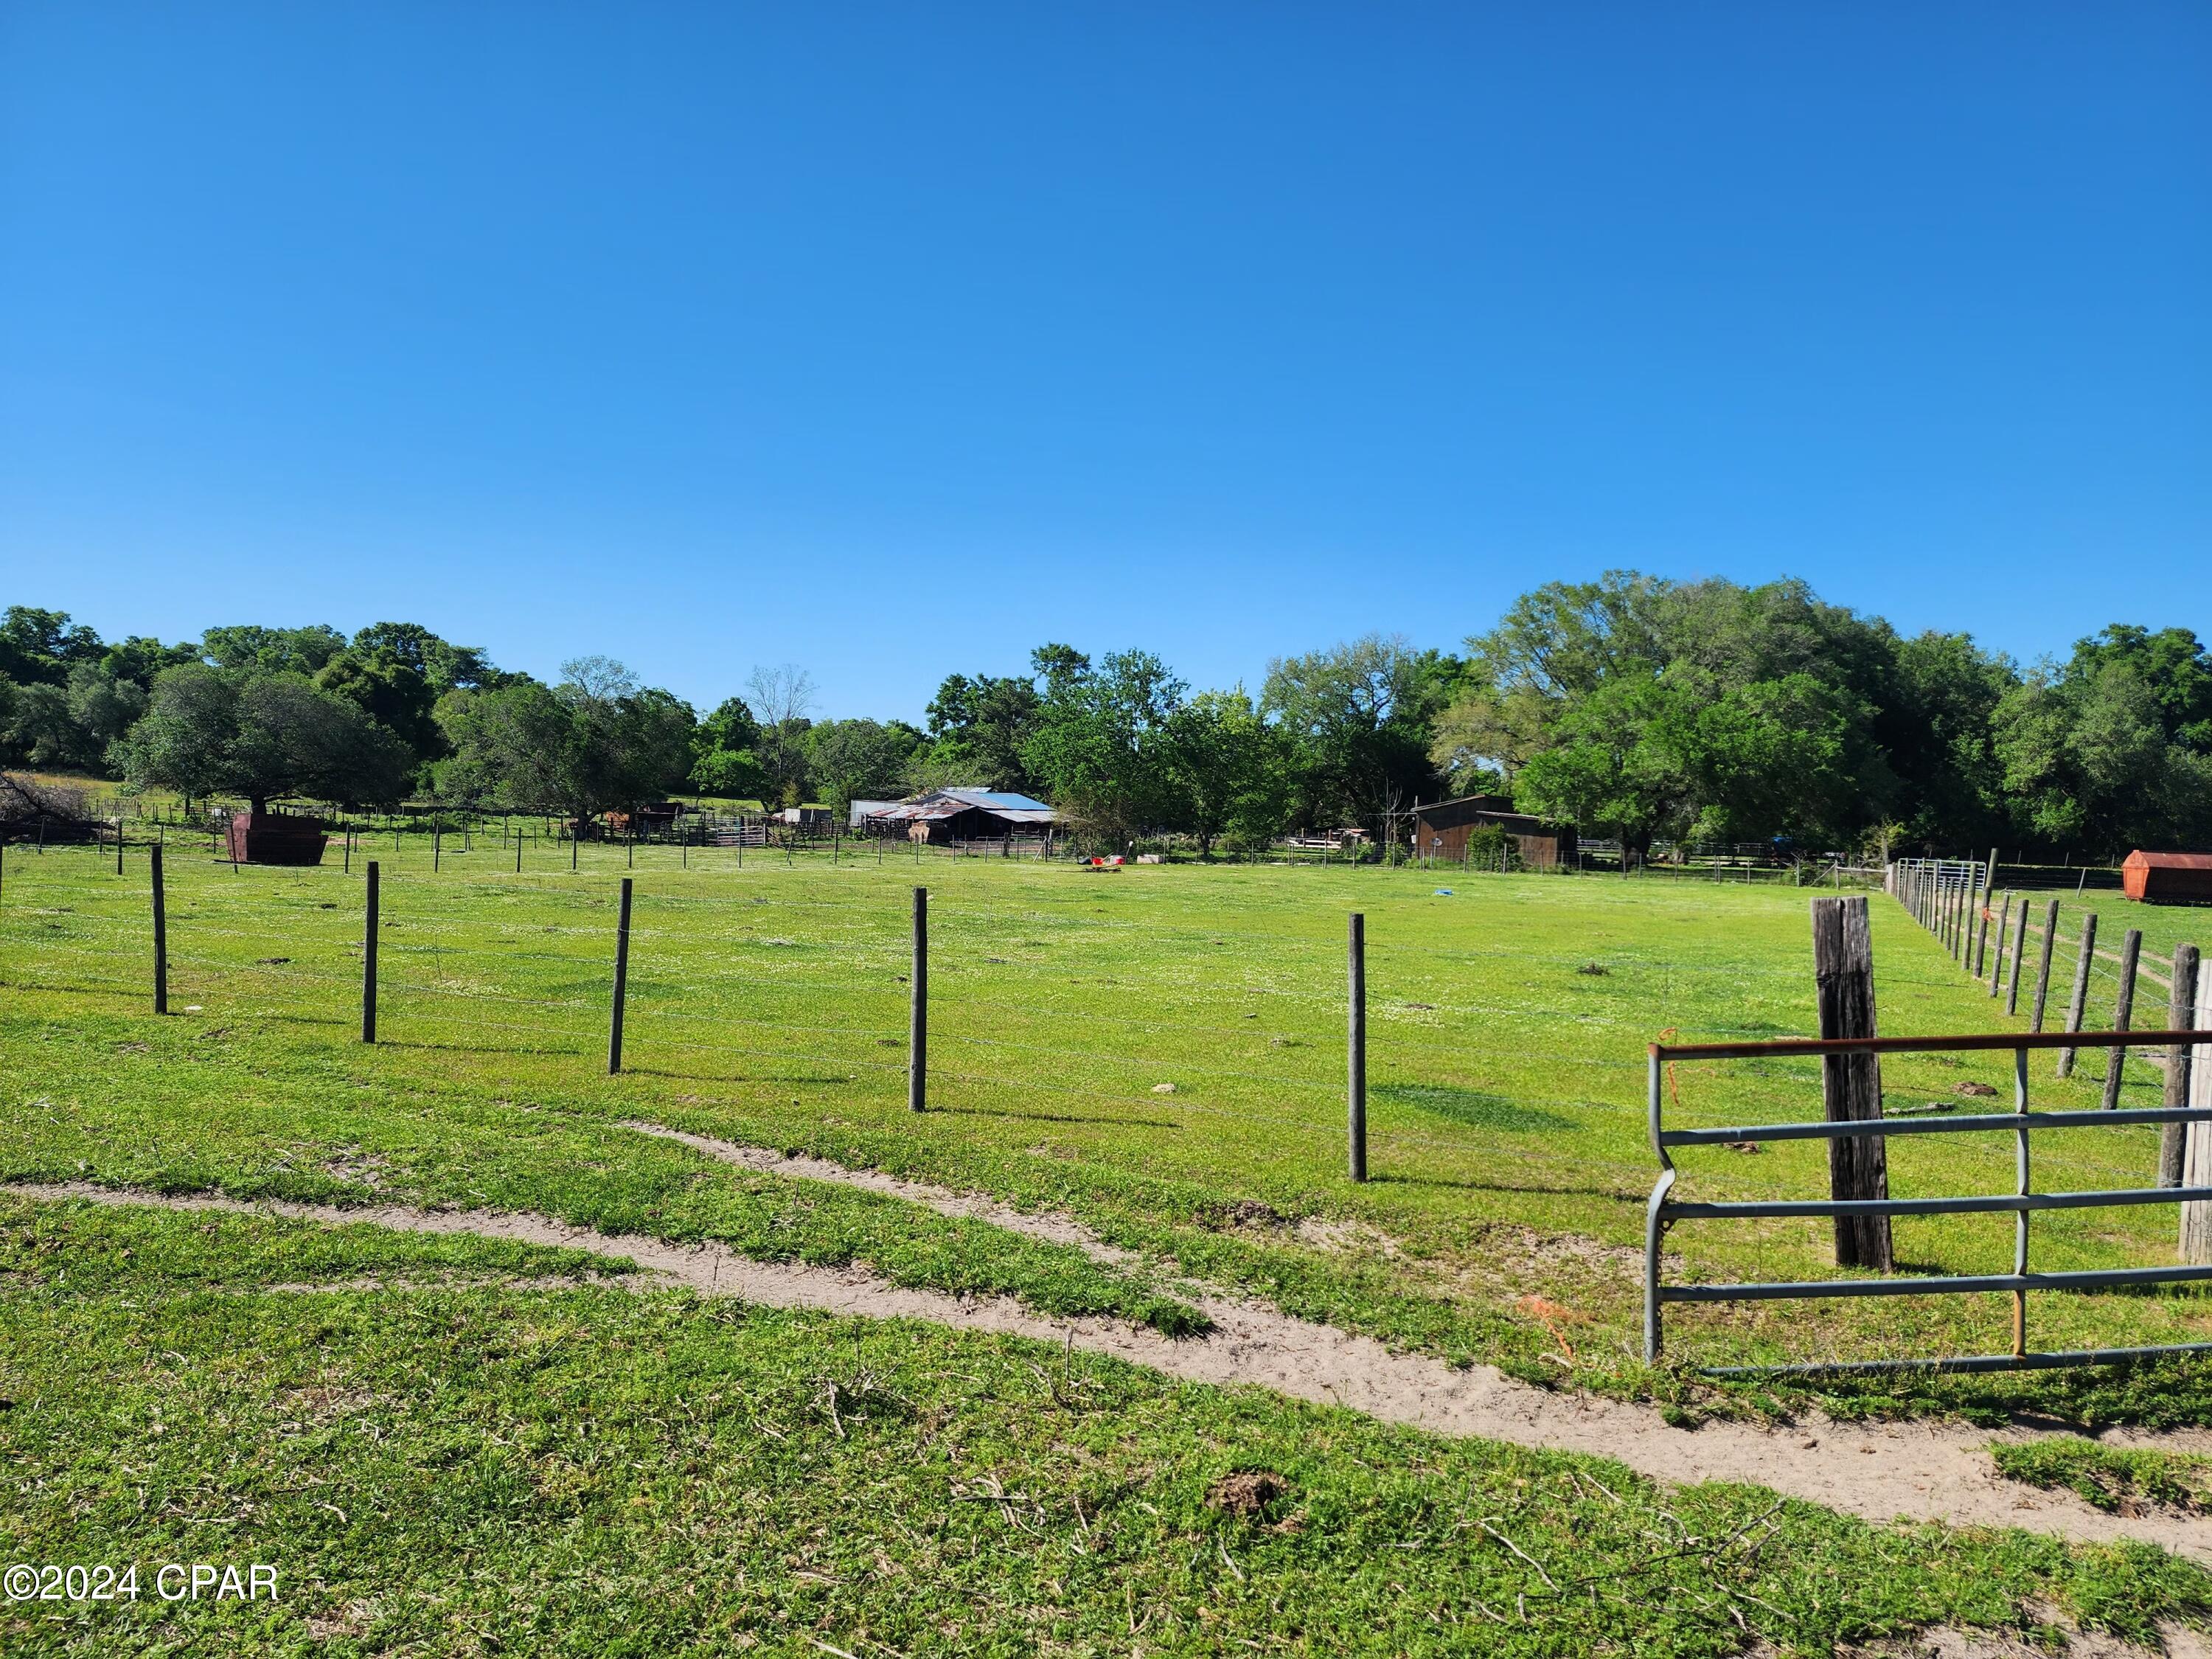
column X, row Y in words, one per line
column 1356, row 1033
column 2124, row 1008
column 1850, row 1085
column 2019, row 951
column 2078, row 1004
column 368, row 958
column 2042, row 968
column 160, row 939
column 2004, row 933
column 437, row 839
column 2196, row 1156
column 622, row 981
column 118, row 843
column 2180, row 1016
column 917, row 1017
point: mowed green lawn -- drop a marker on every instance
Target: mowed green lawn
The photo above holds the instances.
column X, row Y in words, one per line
column 768, row 1005
column 457, row 1463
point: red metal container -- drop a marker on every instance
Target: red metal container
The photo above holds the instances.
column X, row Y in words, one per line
column 2167, row 877
column 275, row 838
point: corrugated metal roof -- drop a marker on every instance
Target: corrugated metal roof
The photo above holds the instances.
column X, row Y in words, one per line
column 2142, row 860
column 996, row 797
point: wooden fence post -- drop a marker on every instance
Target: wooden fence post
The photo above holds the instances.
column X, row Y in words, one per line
column 2078, row 1004
column 917, row 1017
column 2180, row 1016
column 160, row 939
column 2196, row 1156
column 2019, row 951
column 622, row 981
column 1356, row 1046
column 2042, row 968
column 1850, row 1085
column 2004, row 932
column 2124, row 1008
column 368, row 931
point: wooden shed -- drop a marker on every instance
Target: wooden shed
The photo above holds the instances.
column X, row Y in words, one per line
column 1441, row 831
column 2167, row 877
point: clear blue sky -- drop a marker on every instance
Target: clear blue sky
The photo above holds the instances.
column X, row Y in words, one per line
column 893, row 340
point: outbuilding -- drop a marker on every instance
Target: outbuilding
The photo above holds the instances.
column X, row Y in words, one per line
column 1441, row 831
column 942, row 815
column 2167, row 877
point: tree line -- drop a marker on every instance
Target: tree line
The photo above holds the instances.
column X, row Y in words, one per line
column 1635, row 707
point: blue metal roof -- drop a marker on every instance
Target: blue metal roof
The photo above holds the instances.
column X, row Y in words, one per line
column 997, row 798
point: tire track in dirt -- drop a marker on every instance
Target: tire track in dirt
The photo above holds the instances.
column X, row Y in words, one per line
column 1918, row 1471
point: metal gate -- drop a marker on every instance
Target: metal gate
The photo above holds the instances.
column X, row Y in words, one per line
column 2021, row 1122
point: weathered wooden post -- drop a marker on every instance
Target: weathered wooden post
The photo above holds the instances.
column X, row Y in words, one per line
column 2123, row 1007
column 2004, row 933
column 917, row 1017
column 369, row 959
column 118, row 843
column 622, row 981
column 160, row 939
column 2042, row 966
column 2180, row 1016
column 2196, row 1156
column 2019, row 950
column 437, row 840
column 2078, row 1004
column 1355, row 1079
column 1850, row 1085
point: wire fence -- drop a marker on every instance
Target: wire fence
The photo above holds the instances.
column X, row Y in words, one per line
column 1158, row 1039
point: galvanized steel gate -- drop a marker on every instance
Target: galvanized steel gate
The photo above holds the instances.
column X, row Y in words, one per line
column 1663, row 1212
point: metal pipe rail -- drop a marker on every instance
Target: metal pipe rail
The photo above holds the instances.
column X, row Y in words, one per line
column 1662, row 1211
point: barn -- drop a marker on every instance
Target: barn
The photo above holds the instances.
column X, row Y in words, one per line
column 942, row 815
column 1441, row 831
column 2167, row 877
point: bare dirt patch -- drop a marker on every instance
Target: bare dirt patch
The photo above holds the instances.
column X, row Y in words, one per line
column 1916, row 1471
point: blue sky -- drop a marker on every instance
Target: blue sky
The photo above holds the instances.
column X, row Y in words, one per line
column 893, row 340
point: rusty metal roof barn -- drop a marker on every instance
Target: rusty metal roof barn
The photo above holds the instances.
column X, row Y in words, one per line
column 965, row 815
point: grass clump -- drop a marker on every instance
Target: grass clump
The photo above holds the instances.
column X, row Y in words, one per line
column 2113, row 1478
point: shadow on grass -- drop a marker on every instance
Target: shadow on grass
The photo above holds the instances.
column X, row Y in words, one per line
column 1472, row 1107
column 839, row 1080
column 1383, row 1179
column 1054, row 1117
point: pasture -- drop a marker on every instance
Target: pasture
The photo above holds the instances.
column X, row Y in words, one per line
column 775, row 1472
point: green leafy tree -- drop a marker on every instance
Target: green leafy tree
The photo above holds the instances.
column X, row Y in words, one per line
column 392, row 693
column 1227, row 768
column 443, row 665
column 858, row 759
column 1098, row 749
column 261, row 736
column 977, row 727
column 250, row 649
column 725, row 753
column 1361, row 719
column 103, row 706
column 595, row 741
column 40, row 647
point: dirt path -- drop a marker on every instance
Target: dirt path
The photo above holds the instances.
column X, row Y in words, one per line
column 1920, row 1471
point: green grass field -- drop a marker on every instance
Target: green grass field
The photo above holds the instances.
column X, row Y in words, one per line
column 537, row 1432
